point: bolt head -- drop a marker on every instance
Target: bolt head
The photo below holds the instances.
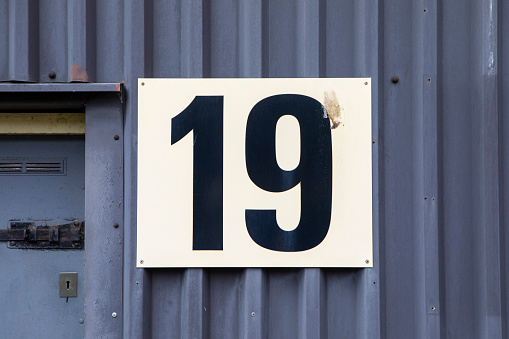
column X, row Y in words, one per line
column 395, row 79
column 52, row 75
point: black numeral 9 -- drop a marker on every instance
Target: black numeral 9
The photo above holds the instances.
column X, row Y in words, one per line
column 314, row 172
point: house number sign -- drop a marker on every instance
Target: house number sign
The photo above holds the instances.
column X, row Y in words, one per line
column 254, row 173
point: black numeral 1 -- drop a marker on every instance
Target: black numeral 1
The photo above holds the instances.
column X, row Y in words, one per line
column 204, row 116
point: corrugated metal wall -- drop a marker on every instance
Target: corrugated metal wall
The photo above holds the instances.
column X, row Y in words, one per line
column 440, row 154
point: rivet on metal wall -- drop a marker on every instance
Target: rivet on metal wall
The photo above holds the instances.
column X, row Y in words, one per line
column 116, row 225
column 253, row 314
column 395, row 79
column 114, row 314
column 52, row 75
column 116, row 137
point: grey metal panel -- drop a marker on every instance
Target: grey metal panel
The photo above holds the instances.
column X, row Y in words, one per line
column 23, row 40
column 104, row 207
column 503, row 87
column 109, row 38
column 30, row 289
column 440, row 262
column 86, row 88
column 4, row 40
column 53, row 38
column 76, row 41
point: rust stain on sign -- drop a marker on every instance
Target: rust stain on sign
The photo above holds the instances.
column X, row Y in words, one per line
column 78, row 73
column 332, row 108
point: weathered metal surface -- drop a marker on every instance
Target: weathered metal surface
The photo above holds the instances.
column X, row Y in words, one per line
column 29, row 235
column 104, row 207
column 30, row 277
column 440, row 153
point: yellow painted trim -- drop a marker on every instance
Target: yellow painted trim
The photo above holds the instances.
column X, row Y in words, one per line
column 42, row 123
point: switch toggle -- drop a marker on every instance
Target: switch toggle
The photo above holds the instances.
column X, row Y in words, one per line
column 68, row 284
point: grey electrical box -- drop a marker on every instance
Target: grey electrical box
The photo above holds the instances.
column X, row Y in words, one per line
column 68, row 284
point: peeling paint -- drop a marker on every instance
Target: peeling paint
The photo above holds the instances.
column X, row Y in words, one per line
column 78, row 73
column 332, row 108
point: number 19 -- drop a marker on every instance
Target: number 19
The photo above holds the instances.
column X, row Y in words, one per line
column 204, row 116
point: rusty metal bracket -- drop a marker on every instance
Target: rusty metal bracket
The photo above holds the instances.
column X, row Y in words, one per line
column 27, row 235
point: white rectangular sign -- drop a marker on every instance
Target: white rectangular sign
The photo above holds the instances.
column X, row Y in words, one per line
column 254, row 173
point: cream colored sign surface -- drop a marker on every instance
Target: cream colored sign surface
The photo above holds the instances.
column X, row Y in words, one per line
column 250, row 176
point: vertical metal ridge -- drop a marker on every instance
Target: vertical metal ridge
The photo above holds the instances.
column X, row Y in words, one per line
column 91, row 39
column 265, row 42
column 5, row 37
column 307, row 39
column 222, row 39
column 360, row 49
column 76, row 41
column 283, row 303
column 431, row 198
column 250, row 38
column 281, row 38
column 456, row 122
column 147, row 20
column 192, row 39
column 206, row 36
column 338, row 23
column 379, row 83
column 312, row 308
column 503, row 87
column 109, row 38
column 486, row 160
column 440, row 199
column 164, row 39
column 19, row 40
column 139, row 285
column 254, row 315
column 367, row 65
column 322, row 42
column 53, row 45
column 426, row 242
column 33, row 42
column 195, row 307
column 399, row 308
